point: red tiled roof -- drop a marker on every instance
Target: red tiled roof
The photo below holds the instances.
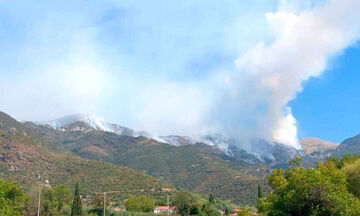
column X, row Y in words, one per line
column 164, row 207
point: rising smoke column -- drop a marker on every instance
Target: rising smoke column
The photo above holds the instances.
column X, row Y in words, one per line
column 252, row 100
column 302, row 46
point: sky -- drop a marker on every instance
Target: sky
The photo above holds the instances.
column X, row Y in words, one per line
column 274, row 69
column 328, row 106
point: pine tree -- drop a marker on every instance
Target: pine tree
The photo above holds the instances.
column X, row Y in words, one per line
column 76, row 208
column 227, row 212
column 260, row 192
column 211, row 198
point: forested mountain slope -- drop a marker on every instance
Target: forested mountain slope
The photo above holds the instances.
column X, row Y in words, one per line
column 27, row 158
column 200, row 168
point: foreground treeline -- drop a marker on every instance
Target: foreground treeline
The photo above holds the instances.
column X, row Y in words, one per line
column 14, row 202
column 61, row 200
column 332, row 188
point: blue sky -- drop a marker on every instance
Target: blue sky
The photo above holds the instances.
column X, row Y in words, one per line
column 328, row 106
column 186, row 68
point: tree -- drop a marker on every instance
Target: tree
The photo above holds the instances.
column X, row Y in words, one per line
column 12, row 198
column 209, row 209
column 140, row 204
column 194, row 210
column 32, row 205
column 319, row 191
column 260, row 192
column 227, row 212
column 76, row 208
column 243, row 212
column 341, row 162
column 297, row 161
column 56, row 201
column 162, row 201
column 98, row 204
column 211, row 198
column 62, row 196
column 48, row 202
column 184, row 201
column 352, row 172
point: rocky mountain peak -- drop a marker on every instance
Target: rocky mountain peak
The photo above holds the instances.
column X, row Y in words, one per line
column 312, row 144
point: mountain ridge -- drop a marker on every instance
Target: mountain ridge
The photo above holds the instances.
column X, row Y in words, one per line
column 313, row 144
column 202, row 164
column 228, row 146
column 30, row 160
column 197, row 167
column 348, row 146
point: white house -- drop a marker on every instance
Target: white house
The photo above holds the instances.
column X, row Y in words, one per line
column 164, row 209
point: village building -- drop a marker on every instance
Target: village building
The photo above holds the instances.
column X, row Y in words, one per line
column 234, row 212
column 117, row 209
column 164, row 209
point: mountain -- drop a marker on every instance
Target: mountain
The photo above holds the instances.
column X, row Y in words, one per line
column 176, row 140
column 316, row 150
column 313, row 145
column 274, row 155
column 29, row 159
column 90, row 122
column 204, row 164
column 230, row 147
column 213, row 164
column 348, row 146
column 258, row 151
column 196, row 166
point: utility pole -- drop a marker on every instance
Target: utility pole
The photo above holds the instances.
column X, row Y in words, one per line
column 168, row 206
column 104, row 202
column 38, row 209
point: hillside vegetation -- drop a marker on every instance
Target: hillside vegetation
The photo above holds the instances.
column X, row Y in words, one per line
column 199, row 168
column 27, row 159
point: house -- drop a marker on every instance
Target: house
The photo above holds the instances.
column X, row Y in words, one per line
column 234, row 212
column 164, row 209
column 117, row 209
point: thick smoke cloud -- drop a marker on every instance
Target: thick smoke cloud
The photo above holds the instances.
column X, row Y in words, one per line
column 251, row 101
column 179, row 75
column 302, row 47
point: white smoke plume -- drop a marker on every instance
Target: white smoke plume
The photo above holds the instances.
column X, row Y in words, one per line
column 84, row 66
column 302, row 46
column 252, row 100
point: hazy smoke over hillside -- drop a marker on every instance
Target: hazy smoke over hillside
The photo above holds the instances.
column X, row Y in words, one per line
column 84, row 66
